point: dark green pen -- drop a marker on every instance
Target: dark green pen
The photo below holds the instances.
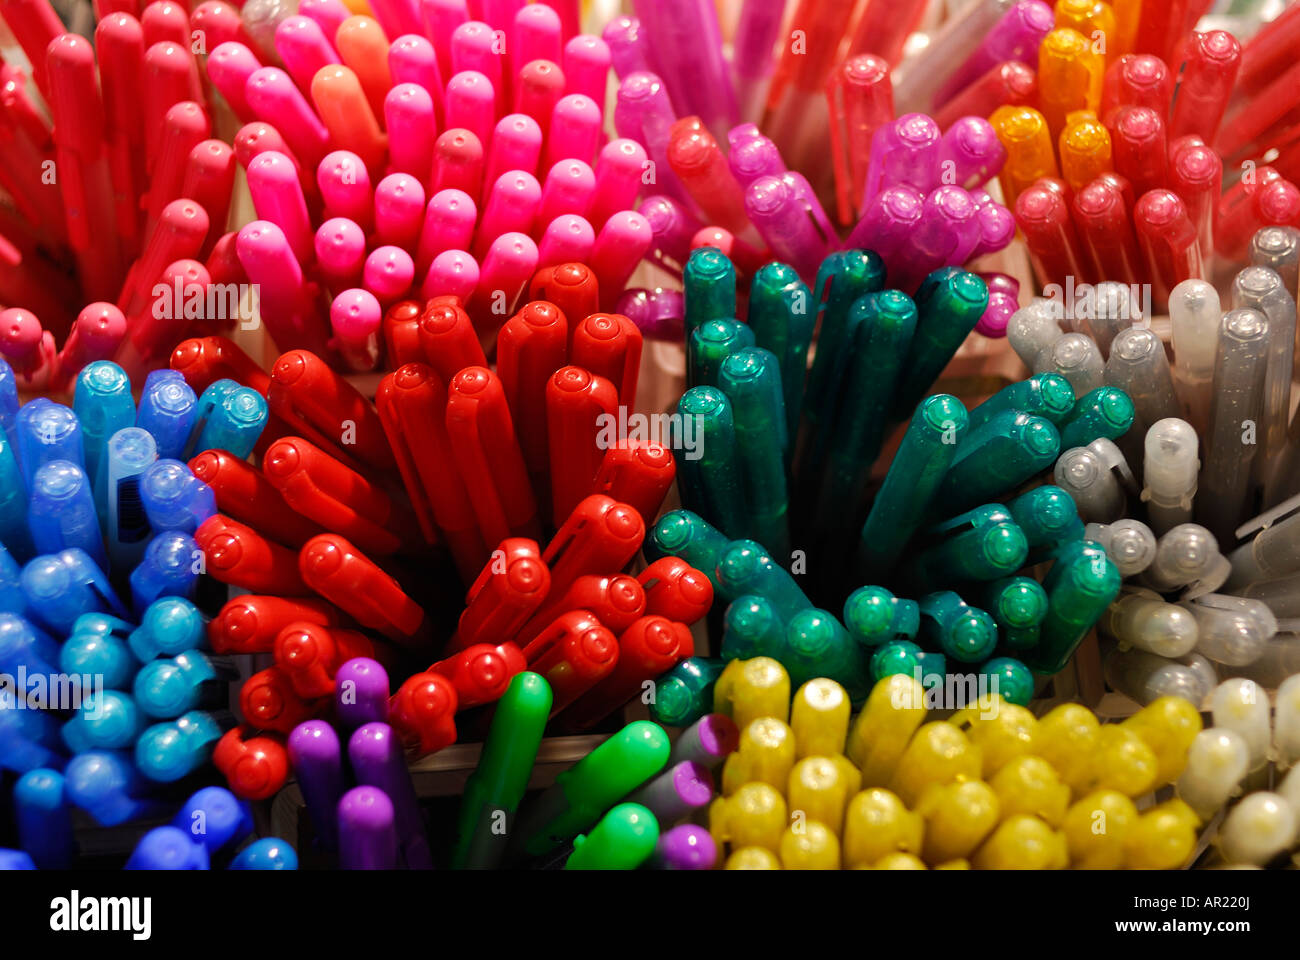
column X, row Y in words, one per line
column 751, row 379
column 1105, row 412
column 1081, row 584
column 746, row 567
column 685, row 693
column 709, row 286
column 1011, row 448
column 1047, row 395
column 948, row 306
column 752, row 628
column 817, row 645
column 980, row 544
column 685, row 534
column 780, row 307
column 965, row 633
column 711, row 343
column 843, row 277
column 709, row 481
column 873, row 615
column 1018, row 606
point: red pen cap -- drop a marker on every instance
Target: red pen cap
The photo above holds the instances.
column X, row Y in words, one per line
column 458, row 162
column 617, row 601
column 319, row 487
column 310, row 654
column 574, row 653
column 1008, row 83
column 240, row 556
column 637, row 473
column 601, row 535
column 1196, row 175
column 511, row 587
column 1136, row 80
column 423, row 714
column 570, row 286
column 329, row 411
column 1139, row 148
column 698, row 161
column 576, row 399
column 245, row 494
column 1043, row 216
column 538, row 88
column 531, row 346
column 220, row 22
column 255, row 767
column 609, row 345
column 402, row 333
column 1105, row 232
column 343, row 575
column 412, row 404
column 1167, row 240
column 481, row 673
column 447, row 338
column 268, row 701
column 1237, row 217
column 676, row 590
column 250, row 623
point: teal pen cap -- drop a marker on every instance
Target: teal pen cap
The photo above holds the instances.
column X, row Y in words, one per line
column 751, row 379
column 965, row 633
column 232, row 416
column 685, row 693
column 1010, row 679
column 685, row 534
column 1018, row 606
column 752, row 628
column 746, row 567
column 934, row 667
column 108, row 720
column 711, row 343
column 842, row 279
column 947, row 311
column 709, row 286
column 1047, row 515
column 782, row 315
column 1011, row 448
column 873, row 615
column 915, row 475
column 1105, row 412
column 981, row 544
column 817, row 645
column 126, row 527
column 98, row 646
column 13, row 503
column 170, row 625
column 896, row 656
column 102, row 402
column 708, row 477
column 1046, row 395
column 1081, row 584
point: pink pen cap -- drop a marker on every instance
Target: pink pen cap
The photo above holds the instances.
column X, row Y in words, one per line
column 388, row 273
column 170, row 75
column 119, row 43
column 96, row 335
column 340, row 252
column 277, row 197
column 970, row 153
column 619, row 169
column 628, row 50
column 347, row 115
column 180, row 234
column 210, row 181
column 259, row 137
column 511, row 207
column 458, row 162
column 775, row 209
column 586, row 67
column 220, row 23
column 746, row 257
column 620, row 246
column 355, row 317
column 575, row 130
column 449, row 220
column 950, row 228
column 905, row 151
column 537, row 35
column 364, row 49
column 165, row 21
column 475, row 49
column 275, row 98
column 516, row 145
column 26, row 346
column 808, row 197
column 569, row 187
column 993, row 322
column 567, row 239
column 659, row 314
column 752, row 155
column 452, row 273
column 468, row 104
column 411, row 59
column 997, row 225
column 441, row 18
column 304, row 48
column 399, row 211
column 673, row 227
column 185, row 125
column 890, row 216
column 1196, row 175
column 328, row 14
column 509, row 265
column 397, row 17
column 345, row 188
column 409, row 117
column 538, row 88
column 287, row 300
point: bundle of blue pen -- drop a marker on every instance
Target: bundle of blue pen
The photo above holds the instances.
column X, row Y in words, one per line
column 771, row 445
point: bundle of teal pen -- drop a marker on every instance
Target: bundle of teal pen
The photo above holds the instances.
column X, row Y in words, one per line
column 781, row 510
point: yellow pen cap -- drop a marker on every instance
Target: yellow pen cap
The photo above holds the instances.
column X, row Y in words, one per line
column 1066, row 737
column 1092, row 18
column 851, row 774
column 1002, row 732
column 753, row 858
column 953, row 865
column 1070, row 75
column 756, row 817
column 765, row 755
column 1122, row 761
column 762, row 689
column 810, row 846
column 893, row 711
column 1167, row 725
column 817, row 791
column 1031, row 785
column 1085, row 149
column 939, row 753
column 1027, row 138
column 958, row 816
column 1022, row 842
column 877, row 823
column 819, row 716
column 1163, row 837
column 899, row 861
column 1096, row 829
column 724, row 688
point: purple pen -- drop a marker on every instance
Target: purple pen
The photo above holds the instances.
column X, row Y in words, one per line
column 1016, row 36
column 775, row 208
column 1001, row 283
column 708, row 741
column 949, row 230
column 970, row 153
column 815, row 209
column 367, row 835
column 753, row 51
column 885, row 225
column 677, row 792
column 686, row 50
column 627, row 47
column 997, row 225
column 659, row 314
column 377, row 761
column 686, row 847
column 361, row 693
column 644, row 113
column 673, row 226
column 752, row 155
column 997, row 315
column 903, row 152
column 317, row 759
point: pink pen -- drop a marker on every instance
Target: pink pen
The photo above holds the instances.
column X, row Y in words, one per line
column 220, row 23
column 304, row 48
column 277, row 197
column 538, row 88
column 210, row 180
column 623, row 242
column 96, row 335
column 475, row 49
column 275, row 98
column 179, row 235
column 409, row 117
column 511, row 207
column 569, row 187
column 162, row 320
column 619, row 169
column 397, row 16
column 184, row 127
column 229, row 66
column 388, row 274
column 259, row 137
column 510, row 264
column 328, row 14
column 814, row 208
column 673, row 226
column 399, row 211
column 355, row 316
column 567, row 239
column 516, row 145
column 536, row 35
column 574, row 131
column 163, row 21
column 458, row 162
column 119, row 42
column 34, row 24
column 170, row 75
column 287, row 300
column 340, row 246
column 26, row 347
column 586, row 67
column 448, row 225
column 997, row 224
column 628, row 48
column 452, row 273
column 411, row 59
column 468, row 104
column 746, row 257
column 345, row 188
column 441, row 18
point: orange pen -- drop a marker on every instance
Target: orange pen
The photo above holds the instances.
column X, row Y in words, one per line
column 341, row 102
column 1070, row 75
column 363, row 48
column 1095, row 19
column 1085, row 149
column 1127, row 15
column 1025, row 135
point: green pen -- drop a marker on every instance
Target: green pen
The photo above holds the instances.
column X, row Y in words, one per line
column 711, row 343
column 1013, row 447
column 1017, row 605
column 682, row 533
column 1081, row 584
column 746, row 567
column 1105, row 412
column 1046, row 395
column 896, row 656
column 751, row 379
column 685, row 693
column 623, row 840
column 779, row 309
column 752, row 628
column 817, row 645
column 981, row 544
column 1047, row 515
column 873, row 615
column 843, row 277
column 1010, row 679
column 493, row 791
column 963, row 632
column 710, row 485
column 709, row 287
column 917, row 472
column 591, row 786
column 948, row 307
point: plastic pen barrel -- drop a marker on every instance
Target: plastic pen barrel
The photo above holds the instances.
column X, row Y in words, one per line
column 944, row 318
column 103, row 404
column 1081, row 584
column 1001, row 455
column 173, row 498
column 62, row 586
column 687, row 535
column 61, row 511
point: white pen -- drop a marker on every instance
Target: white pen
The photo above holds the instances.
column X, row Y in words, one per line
column 1206, row 675
column 1141, row 618
column 1282, row 595
column 1169, row 470
column 1033, row 327
column 1094, row 487
column 1146, row 677
column 1194, row 314
column 1257, row 829
column 1242, row 705
column 1137, row 365
column 1279, row 661
column 1216, row 762
column 1106, row 310
column 1286, row 723
column 1260, row 288
column 1188, row 555
column 1129, row 543
column 1233, row 631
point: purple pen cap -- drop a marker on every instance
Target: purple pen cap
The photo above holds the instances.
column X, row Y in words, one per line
column 1001, row 283
column 686, row 847
column 367, row 834
column 708, row 741
column 317, row 758
column 949, row 229
column 994, row 321
column 997, row 228
column 754, row 157
column 377, row 761
column 659, row 314
column 890, row 217
column 676, row 792
column 361, row 693
column 974, row 151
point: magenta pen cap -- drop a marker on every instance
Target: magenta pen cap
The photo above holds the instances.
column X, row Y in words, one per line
column 686, row 847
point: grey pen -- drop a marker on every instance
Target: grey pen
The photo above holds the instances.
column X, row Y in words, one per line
column 1187, row 557
column 1262, row 289
column 1278, row 248
column 1281, row 595
column 1137, row 365
column 1074, row 356
column 1107, row 310
column 1129, row 543
column 1233, row 440
column 1033, row 327
column 1274, row 549
column 1146, row 677
column 1194, row 315
column 1092, row 476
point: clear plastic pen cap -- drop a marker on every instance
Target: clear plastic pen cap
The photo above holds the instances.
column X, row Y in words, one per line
column 1142, row 619
column 1216, row 761
column 1187, row 555
column 1033, row 327
column 1257, row 829
column 1146, row 677
column 1242, row 705
column 1170, row 465
column 1278, row 248
column 1074, row 356
column 1129, row 543
column 1194, row 313
column 1233, row 630
column 1096, row 489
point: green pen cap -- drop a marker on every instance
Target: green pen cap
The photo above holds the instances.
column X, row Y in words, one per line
column 709, row 287
column 843, row 277
column 752, row 628
column 1105, row 412
column 1018, row 606
column 948, row 307
column 963, row 632
column 1047, row 395
column 1081, row 584
column 782, row 315
column 709, row 481
column 685, row 534
column 1047, row 515
column 711, row 343
column 1010, row 679
column 685, row 693
column 873, row 615
column 817, row 645
column 623, row 840
column 896, row 656
column 1010, row 449
column 746, row 567
column 751, row 379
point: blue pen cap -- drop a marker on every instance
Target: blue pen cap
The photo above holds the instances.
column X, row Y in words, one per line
column 11, row 591
column 169, row 569
column 15, row 860
column 168, row 751
column 13, row 503
column 103, row 404
column 29, row 739
column 165, row 689
column 44, row 818
column 61, row 511
column 215, row 817
column 174, row 498
column 8, row 401
column 169, row 409
column 233, row 417
column 269, row 853
column 166, row 848
column 169, row 626
column 60, row 587
column 47, row 431
column 24, row 644
column 98, row 646
column 108, row 720
column 106, row 786
column 126, row 528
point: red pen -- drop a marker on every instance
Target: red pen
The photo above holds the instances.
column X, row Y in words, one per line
column 860, row 98
column 1139, row 148
column 617, row 601
column 209, row 180
column 574, row 653
column 1196, row 175
column 1161, row 27
column 1261, row 122
column 238, row 555
column 637, row 473
column 1237, row 217
column 1206, row 84
column 1269, row 52
column 180, row 234
column 260, row 137
column 510, row 264
column 481, row 673
column 401, row 330
column 345, row 577
column 224, row 267
column 310, row 654
column 255, row 768
column 250, row 623
column 1105, row 232
column 1136, row 80
column 1008, row 83
column 27, row 347
column 600, row 536
column 573, row 288
column 746, row 258
column 412, row 403
column 163, row 20
column 170, row 76
column 96, row 335
column 696, row 158
column 1043, row 216
column 1167, row 240
column 575, row 401
column 34, row 25
column 531, row 346
column 204, row 361
column 447, row 338
column 538, row 88
column 508, row 591
column 185, row 126
column 458, row 162
column 676, row 590
column 161, row 320
column 268, row 701
column 245, row 494
column 609, row 345
column 423, row 714
column 220, row 23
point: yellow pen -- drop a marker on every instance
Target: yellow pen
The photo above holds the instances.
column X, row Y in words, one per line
column 753, row 858
column 761, row 689
column 1122, row 761
column 938, row 754
column 817, row 791
column 1003, row 732
column 953, row 865
column 1163, row 837
column 810, row 846
column 958, row 816
column 1031, row 785
column 765, row 755
column 876, row 824
column 1096, row 829
column 1167, row 725
column 1070, row 74
column 1027, row 138
column 756, row 817
column 1066, row 737
column 819, row 716
column 724, row 688
column 1023, row 842
column 1092, row 18
column 899, row 861
column 893, row 711
column 851, row 774
column 1085, row 149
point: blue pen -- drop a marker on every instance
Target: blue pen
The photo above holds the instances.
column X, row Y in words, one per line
column 23, row 644
column 60, row 587
column 169, row 409
column 169, row 569
column 214, row 817
column 232, row 417
column 170, row 625
column 29, row 740
column 174, row 498
column 15, row 860
column 168, row 751
column 126, row 528
column 103, row 404
column 98, row 646
column 8, row 402
column 105, row 721
column 61, row 511
column 167, row 848
column 269, row 853
column 166, row 688
column 44, row 818
column 11, row 591
column 105, row 785
column 47, row 431
column 13, row 503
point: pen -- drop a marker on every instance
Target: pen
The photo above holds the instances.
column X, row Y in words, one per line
column 335, row 569
column 752, row 628
column 367, row 835
column 377, row 761
column 684, row 694
column 1139, row 618
column 360, row 693
column 1130, row 544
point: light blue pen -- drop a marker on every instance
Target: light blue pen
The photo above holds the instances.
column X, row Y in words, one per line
column 106, row 785
column 13, row 503
column 109, row 720
column 166, row 688
column 60, row 587
column 8, row 402
column 61, row 511
column 11, row 590
column 174, row 498
column 169, row 626
column 44, row 818
column 168, row 751
column 47, row 431
column 130, row 452
column 269, row 853
column 98, row 647
column 169, row 410
column 232, row 418
column 103, row 404
column 170, row 568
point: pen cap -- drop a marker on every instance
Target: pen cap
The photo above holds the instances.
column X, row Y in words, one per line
column 1143, row 620
column 214, row 817
column 166, row 752
column 255, row 767
column 1129, row 543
